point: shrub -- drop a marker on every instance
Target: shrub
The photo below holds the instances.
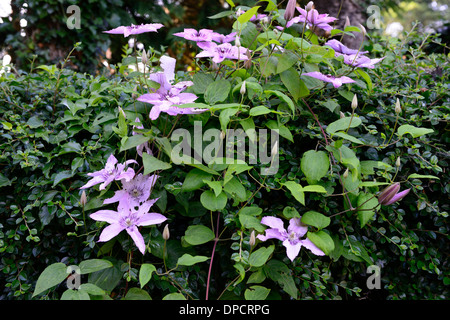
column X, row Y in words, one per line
column 330, row 153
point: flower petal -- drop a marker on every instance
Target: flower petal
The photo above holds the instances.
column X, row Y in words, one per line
column 273, row 222
column 137, row 238
column 292, row 250
column 110, row 232
column 312, row 247
column 299, row 228
column 397, row 197
column 149, row 219
column 271, row 234
column 109, row 216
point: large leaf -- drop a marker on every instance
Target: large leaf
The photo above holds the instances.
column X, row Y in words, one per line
column 51, row 276
column 315, row 219
column 217, row 91
column 213, row 203
column 195, row 179
column 315, row 165
column 145, row 273
column 343, row 124
column 152, row 164
column 198, row 234
column 259, row 257
column 366, row 207
column 188, row 260
column 414, row 131
column 93, row 265
column 322, row 240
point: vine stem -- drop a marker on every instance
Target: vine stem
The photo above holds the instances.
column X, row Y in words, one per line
column 212, row 256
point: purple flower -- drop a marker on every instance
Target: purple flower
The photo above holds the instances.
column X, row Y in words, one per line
column 291, row 237
column 390, row 194
column 340, row 48
column 361, row 61
column 220, row 52
column 194, row 35
column 168, row 96
column 313, row 19
column 111, row 172
column 337, row 82
column 129, row 219
column 144, row 146
column 126, row 31
column 136, row 191
column 222, row 38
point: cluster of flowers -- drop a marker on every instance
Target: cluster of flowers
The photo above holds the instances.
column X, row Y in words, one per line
column 134, row 204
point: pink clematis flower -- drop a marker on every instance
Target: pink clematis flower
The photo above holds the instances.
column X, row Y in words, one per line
column 222, row 38
column 361, row 61
column 194, row 35
column 340, row 49
column 336, row 81
column 135, row 29
column 127, row 218
column 111, row 172
column 168, row 96
column 220, row 52
column 291, row 237
column 313, row 19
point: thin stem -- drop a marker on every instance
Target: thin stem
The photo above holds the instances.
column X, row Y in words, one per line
column 212, row 256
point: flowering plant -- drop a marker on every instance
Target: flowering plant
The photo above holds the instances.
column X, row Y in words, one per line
column 268, row 74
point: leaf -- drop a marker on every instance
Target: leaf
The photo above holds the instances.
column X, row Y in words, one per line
column 343, row 124
column 259, row 257
column 283, row 97
column 133, row 141
column 198, row 234
column 225, row 116
column 51, row 276
column 93, row 265
column 251, row 222
column 61, row 176
column 366, row 78
column 34, row 122
column 348, row 137
column 279, row 272
column 174, row 296
column 152, row 164
column 216, row 186
column 236, row 189
column 314, row 188
column 366, row 205
column 421, row 176
column 195, row 179
column 322, row 240
column 256, row 293
column 217, row 91
column 414, row 131
column 70, row 294
column 296, row 191
column 213, row 203
column 315, row 165
column 295, row 85
column 188, row 260
column 287, row 59
column 91, row 289
column 137, row 294
column 245, row 17
column 145, row 273
column 315, row 219
column 107, row 279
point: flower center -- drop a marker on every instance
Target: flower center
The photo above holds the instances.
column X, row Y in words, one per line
column 128, row 222
column 136, row 192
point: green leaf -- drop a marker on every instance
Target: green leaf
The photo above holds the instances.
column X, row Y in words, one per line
column 195, row 179
column 414, row 131
column 188, row 260
column 34, row 122
column 225, row 116
column 107, row 279
column 216, row 186
column 314, row 188
column 283, row 97
column 256, row 293
column 279, row 272
column 61, row 176
column 251, row 222
column 366, row 78
column 93, row 265
column 287, row 59
column 366, row 205
column 91, row 289
column 315, row 165
column 236, row 189
column 296, row 191
column 245, row 17
column 315, row 219
column 213, row 203
column 174, row 296
column 348, row 137
column 198, row 234
column 217, row 91
column 421, row 176
column 132, row 142
column 343, row 124
column 145, row 273
column 152, row 164
column 70, row 294
column 51, row 276
column 259, row 257
column 137, row 294
column 322, row 240
column 295, row 85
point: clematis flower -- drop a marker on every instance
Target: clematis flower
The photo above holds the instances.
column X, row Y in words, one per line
column 144, row 146
column 222, row 38
column 129, row 219
column 361, row 61
column 291, row 237
column 194, row 35
column 313, row 19
column 136, row 191
column 340, row 49
column 135, row 29
column 337, row 82
column 390, row 194
column 220, row 52
column 168, row 96
column 111, row 172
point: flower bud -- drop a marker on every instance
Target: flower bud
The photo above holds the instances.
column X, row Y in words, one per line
column 398, row 162
column 347, row 22
column 309, row 6
column 166, row 233
column 237, row 41
column 355, row 102
column 83, row 199
column 252, row 239
column 243, row 88
column 388, row 193
column 222, row 135
column 363, row 30
column 290, row 10
column 144, row 57
column 398, row 108
column 345, row 175
column 341, row 114
column 275, row 149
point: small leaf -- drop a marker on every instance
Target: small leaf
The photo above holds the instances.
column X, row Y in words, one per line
column 195, row 179
column 188, row 260
column 256, row 293
column 61, row 176
column 315, row 219
column 198, row 234
column 322, row 240
column 343, row 124
column 315, row 165
column 414, row 131
column 421, row 176
column 152, row 164
column 259, row 257
column 213, row 203
column 145, row 273
column 137, row 294
column 296, row 191
column 174, row 296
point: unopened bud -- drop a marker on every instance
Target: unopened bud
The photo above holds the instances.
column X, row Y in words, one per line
column 122, row 112
column 398, row 108
column 309, row 6
column 166, row 233
column 290, row 10
column 275, row 149
column 144, row 57
column 398, row 162
column 363, row 30
column 83, row 199
column 252, row 239
column 347, row 22
column 237, row 41
column 222, row 135
column 345, row 175
column 243, row 88
column 341, row 114
column 355, row 102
